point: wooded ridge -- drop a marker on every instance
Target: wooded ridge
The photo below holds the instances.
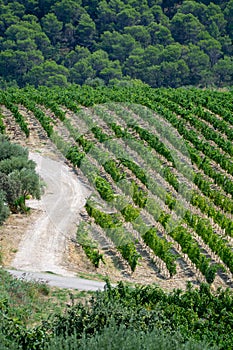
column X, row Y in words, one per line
column 162, row 43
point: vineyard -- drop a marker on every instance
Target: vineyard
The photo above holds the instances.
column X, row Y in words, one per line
column 160, row 165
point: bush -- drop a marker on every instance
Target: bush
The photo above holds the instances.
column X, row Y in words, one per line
column 115, row 338
column 4, row 210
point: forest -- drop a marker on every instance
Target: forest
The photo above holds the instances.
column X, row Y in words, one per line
column 162, row 43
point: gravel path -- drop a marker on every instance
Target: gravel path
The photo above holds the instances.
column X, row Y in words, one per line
column 44, row 244
column 59, row 281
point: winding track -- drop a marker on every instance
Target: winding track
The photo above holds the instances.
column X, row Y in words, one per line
column 43, row 245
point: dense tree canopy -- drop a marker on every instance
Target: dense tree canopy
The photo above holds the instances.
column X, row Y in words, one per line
column 53, row 42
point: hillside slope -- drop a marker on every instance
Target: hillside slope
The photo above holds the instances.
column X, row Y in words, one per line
column 159, row 163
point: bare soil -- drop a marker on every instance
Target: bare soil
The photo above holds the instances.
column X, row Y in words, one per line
column 11, row 233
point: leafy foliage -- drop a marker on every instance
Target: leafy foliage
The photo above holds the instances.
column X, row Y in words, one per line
column 104, row 189
column 89, row 246
column 18, row 178
column 140, row 316
column 161, row 43
column 4, row 210
column 161, row 248
column 200, row 198
column 113, row 169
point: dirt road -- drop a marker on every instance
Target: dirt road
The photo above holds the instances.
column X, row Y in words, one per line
column 43, row 245
column 59, row 281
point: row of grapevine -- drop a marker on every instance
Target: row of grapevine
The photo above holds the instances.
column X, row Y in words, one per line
column 88, row 245
column 184, row 100
column 129, row 213
column 6, row 100
column 215, row 242
column 197, row 200
column 205, row 130
column 216, row 196
column 113, row 228
column 102, row 185
column 145, row 173
column 213, row 269
column 138, row 171
column 218, row 103
column 203, row 164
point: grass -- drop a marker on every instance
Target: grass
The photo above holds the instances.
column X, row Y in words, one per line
column 92, row 276
column 31, row 302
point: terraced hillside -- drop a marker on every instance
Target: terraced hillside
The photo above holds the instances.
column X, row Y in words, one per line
column 159, row 162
